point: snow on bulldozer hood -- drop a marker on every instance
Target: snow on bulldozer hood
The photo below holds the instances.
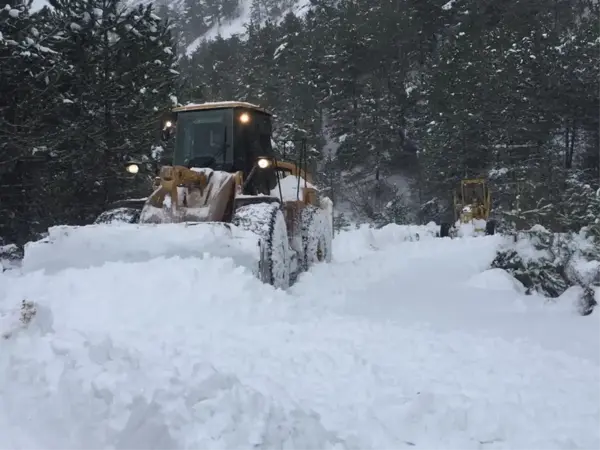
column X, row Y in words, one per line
column 94, row 245
column 291, row 188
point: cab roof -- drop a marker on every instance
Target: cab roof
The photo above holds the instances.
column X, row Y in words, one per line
column 219, row 105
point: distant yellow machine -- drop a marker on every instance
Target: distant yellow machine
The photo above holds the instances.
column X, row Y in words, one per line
column 472, row 206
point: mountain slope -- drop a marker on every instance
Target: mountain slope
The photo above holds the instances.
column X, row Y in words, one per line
column 236, row 25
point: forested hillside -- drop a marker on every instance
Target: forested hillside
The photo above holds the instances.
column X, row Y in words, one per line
column 426, row 92
column 397, row 100
column 83, row 86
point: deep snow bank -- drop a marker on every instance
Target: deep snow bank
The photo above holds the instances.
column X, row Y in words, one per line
column 395, row 348
column 94, row 245
column 115, row 357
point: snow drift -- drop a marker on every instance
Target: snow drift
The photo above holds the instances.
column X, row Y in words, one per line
column 94, row 245
column 390, row 349
column 117, row 357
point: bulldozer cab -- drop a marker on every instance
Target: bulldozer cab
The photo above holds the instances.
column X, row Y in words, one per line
column 474, row 195
column 225, row 136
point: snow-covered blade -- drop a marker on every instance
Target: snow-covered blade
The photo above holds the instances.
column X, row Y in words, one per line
column 475, row 227
column 93, row 245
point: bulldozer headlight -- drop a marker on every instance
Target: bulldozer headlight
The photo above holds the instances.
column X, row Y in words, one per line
column 168, row 124
column 133, row 168
column 263, row 163
column 245, row 118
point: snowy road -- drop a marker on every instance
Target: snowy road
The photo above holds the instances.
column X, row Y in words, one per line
column 395, row 344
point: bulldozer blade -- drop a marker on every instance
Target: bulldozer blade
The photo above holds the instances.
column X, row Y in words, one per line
column 94, row 245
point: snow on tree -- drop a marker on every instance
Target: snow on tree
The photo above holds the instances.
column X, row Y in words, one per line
column 122, row 75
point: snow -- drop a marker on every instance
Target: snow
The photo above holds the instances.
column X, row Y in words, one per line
column 36, row 5
column 389, row 346
column 448, row 6
column 496, row 279
column 279, row 50
column 587, row 270
column 223, row 103
column 471, row 228
column 68, row 247
column 237, row 25
column 289, row 188
column 8, row 256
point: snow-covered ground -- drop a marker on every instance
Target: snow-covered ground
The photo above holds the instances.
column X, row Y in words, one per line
column 396, row 344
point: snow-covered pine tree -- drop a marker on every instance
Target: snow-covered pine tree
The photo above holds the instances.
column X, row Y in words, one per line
column 580, row 205
column 29, row 73
column 299, row 98
column 212, row 73
column 22, row 63
column 121, row 80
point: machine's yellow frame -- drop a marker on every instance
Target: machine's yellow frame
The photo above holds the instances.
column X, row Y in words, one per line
column 477, row 211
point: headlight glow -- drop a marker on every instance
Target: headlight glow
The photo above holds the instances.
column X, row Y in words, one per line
column 133, row 168
column 263, row 163
column 245, row 118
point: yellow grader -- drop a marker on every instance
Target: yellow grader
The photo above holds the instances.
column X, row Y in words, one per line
column 472, row 206
column 224, row 174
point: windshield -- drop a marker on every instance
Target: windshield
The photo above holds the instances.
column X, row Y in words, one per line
column 473, row 193
column 203, row 139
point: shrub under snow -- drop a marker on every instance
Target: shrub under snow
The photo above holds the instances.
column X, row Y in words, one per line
column 10, row 255
column 550, row 263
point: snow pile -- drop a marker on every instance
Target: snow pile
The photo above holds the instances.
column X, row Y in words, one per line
column 353, row 244
column 129, row 404
column 473, row 228
column 94, row 245
column 292, row 188
column 10, row 256
column 391, row 349
column 549, row 263
column 496, row 279
column 124, row 361
column 13, row 320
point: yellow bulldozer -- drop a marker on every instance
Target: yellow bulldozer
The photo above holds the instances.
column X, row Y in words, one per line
column 224, row 177
column 472, row 207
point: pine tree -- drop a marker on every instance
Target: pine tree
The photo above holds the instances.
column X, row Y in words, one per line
column 121, row 81
column 29, row 71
